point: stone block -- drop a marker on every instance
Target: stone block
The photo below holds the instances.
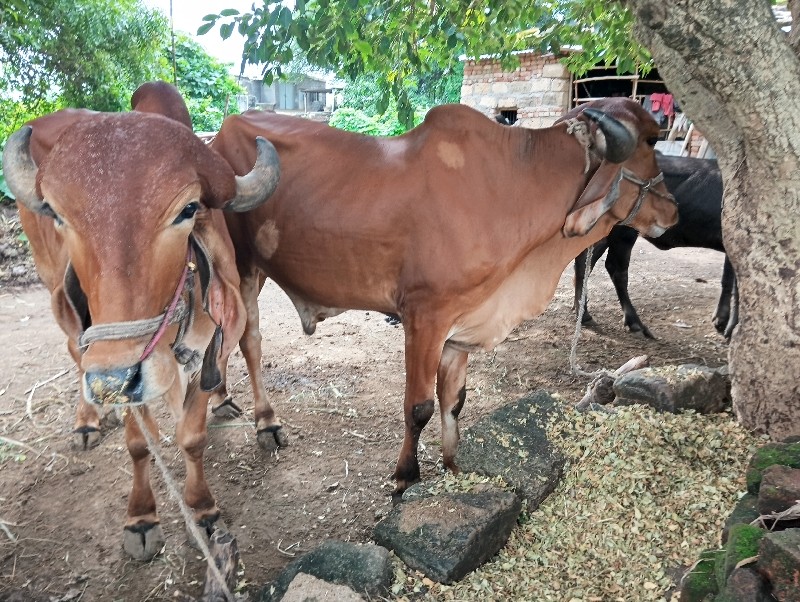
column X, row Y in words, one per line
column 555, row 71
column 447, row 536
column 363, row 568
column 780, row 489
column 745, row 513
column 745, row 585
column 539, row 84
column 673, row 388
column 489, row 102
column 511, row 442
column 306, row 588
column 785, row 454
column 743, row 542
column 779, row 561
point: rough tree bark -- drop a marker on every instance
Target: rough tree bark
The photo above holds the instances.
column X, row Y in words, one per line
column 737, row 77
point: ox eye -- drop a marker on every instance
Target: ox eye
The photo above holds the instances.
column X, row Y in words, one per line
column 187, row 212
column 652, row 141
column 47, row 210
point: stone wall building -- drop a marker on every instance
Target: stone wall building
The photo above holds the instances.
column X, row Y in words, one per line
column 541, row 89
column 535, row 94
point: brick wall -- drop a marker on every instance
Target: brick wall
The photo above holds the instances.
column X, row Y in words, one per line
column 538, row 89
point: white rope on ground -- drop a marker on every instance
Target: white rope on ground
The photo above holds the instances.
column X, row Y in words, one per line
column 573, row 354
column 186, row 512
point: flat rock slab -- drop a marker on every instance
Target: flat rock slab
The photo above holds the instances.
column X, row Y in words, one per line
column 779, row 561
column 511, row 442
column 363, row 568
column 446, row 536
column 306, row 588
column 674, row 388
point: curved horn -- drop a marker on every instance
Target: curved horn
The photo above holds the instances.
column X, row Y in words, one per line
column 20, row 170
column 256, row 187
column 620, row 141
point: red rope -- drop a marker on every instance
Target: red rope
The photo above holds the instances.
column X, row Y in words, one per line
column 170, row 310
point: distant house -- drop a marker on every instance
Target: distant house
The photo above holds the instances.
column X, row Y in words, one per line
column 305, row 94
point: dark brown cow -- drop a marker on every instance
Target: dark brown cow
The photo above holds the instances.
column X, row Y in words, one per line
column 128, row 236
column 445, row 226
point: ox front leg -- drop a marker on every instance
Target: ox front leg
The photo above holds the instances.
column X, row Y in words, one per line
column 192, row 437
column 269, row 430
column 143, row 537
column 423, row 353
column 451, row 381
column 86, row 433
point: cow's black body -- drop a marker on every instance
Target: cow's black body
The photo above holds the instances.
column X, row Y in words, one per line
column 696, row 185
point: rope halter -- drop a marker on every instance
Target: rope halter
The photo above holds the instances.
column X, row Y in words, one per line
column 645, row 187
column 178, row 311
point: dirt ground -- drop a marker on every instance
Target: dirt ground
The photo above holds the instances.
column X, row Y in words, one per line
column 339, row 394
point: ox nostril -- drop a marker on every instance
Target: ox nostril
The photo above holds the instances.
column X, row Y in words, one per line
column 121, row 385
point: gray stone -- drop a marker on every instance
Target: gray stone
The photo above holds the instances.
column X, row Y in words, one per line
column 780, row 489
column 363, row 568
column 446, row 536
column 511, row 442
column 745, row 512
column 779, row 561
column 674, row 389
column 307, row 588
column 745, row 585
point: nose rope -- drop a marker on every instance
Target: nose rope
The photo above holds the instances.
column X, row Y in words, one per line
column 165, row 322
column 177, row 311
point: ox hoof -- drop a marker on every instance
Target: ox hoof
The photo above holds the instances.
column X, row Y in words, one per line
column 206, row 527
column 85, row 437
column 641, row 330
column 143, row 542
column 227, row 409
column 271, row 438
column 111, row 420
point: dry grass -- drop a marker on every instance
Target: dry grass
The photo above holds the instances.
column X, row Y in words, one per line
column 643, row 494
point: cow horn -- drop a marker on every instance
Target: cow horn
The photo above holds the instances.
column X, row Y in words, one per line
column 257, row 186
column 20, row 170
column 620, row 141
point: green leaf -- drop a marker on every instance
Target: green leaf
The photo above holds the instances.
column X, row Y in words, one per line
column 228, row 12
column 205, row 28
column 225, row 30
column 211, row 17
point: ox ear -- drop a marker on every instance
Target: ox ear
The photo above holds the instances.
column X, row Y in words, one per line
column 598, row 197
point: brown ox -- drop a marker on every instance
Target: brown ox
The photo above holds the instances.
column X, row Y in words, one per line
column 49, row 253
column 445, row 226
column 126, row 207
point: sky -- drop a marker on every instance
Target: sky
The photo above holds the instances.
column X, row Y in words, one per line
column 188, row 16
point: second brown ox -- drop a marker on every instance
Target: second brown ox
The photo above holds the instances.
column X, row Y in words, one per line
column 446, row 226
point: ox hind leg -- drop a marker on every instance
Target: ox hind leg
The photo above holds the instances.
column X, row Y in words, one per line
column 451, row 390
column 726, row 308
column 423, row 351
column 269, row 430
column 142, row 537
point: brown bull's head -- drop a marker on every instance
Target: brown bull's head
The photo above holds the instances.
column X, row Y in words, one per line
column 627, row 185
column 126, row 191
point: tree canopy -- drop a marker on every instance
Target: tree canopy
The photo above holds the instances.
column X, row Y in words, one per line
column 87, row 53
column 356, row 37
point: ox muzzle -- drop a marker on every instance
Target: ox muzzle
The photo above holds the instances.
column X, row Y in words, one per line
column 125, row 386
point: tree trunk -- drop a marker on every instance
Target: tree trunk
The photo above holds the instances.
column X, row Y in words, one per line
column 734, row 73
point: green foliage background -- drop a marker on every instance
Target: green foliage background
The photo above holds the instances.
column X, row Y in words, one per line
column 93, row 54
